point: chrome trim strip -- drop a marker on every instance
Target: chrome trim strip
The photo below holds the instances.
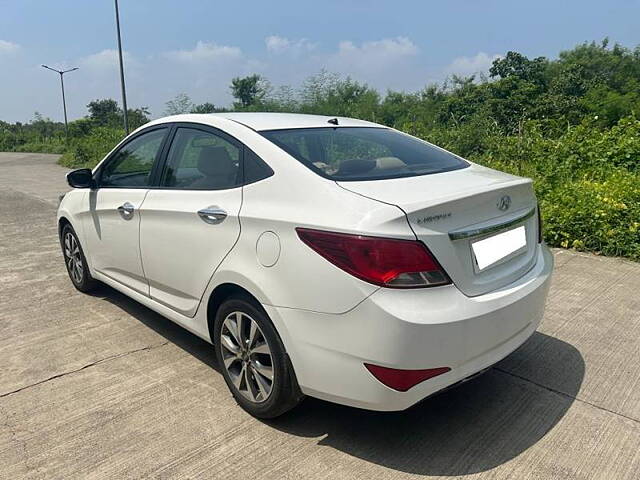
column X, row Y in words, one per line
column 476, row 232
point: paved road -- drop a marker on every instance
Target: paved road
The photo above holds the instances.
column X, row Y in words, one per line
column 101, row 387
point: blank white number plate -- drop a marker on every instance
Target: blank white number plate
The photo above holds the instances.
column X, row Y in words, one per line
column 493, row 249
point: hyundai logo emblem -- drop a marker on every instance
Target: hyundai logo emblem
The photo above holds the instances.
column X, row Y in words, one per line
column 504, row 203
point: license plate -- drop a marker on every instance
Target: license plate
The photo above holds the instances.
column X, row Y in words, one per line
column 491, row 250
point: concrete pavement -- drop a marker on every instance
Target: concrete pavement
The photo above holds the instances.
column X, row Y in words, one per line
column 97, row 386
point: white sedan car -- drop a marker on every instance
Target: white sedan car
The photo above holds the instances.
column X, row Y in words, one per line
column 320, row 256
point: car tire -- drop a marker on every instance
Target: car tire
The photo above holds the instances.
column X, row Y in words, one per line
column 75, row 260
column 253, row 360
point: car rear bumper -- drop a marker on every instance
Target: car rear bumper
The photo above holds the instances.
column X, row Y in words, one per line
column 411, row 329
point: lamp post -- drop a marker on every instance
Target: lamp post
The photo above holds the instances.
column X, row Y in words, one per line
column 64, row 102
column 124, row 93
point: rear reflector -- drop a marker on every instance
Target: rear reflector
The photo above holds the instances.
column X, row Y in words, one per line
column 403, row 380
column 387, row 262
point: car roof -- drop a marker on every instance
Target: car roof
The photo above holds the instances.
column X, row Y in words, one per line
column 278, row 121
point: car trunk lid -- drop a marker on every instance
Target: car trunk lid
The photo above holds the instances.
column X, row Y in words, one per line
column 452, row 211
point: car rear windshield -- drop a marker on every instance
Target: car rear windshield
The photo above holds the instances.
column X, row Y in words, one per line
column 363, row 153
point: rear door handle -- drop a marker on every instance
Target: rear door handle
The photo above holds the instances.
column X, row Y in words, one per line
column 126, row 210
column 212, row 215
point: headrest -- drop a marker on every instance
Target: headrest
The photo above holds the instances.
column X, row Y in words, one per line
column 356, row 166
column 214, row 161
column 389, row 163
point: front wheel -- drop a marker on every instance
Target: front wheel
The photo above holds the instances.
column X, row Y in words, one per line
column 253, row 360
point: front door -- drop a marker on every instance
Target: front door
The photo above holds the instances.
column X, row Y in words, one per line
column 112, row 223
column 190, row 222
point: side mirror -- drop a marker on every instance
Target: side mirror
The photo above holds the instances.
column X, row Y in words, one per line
column 81, row 178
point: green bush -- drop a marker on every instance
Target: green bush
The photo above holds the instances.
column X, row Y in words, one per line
column 587, row 182
column 595, row 215
column 88, row 150
column 45, row 146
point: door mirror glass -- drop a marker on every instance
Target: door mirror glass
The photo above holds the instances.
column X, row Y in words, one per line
column 82, row 178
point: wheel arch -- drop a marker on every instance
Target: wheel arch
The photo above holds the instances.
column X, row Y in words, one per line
column 62, row 222
column 221, row 293
column 233, row 286
column 64, row 218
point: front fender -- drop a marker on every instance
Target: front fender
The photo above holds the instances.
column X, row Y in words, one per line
column 71, row 208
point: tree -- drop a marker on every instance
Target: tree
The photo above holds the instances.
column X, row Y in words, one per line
column 328, row 94
column 181, row 103
column 317, row 88
column 515, row 64
column 282, row 99
column 107, row 113
column 353, row 99
column 44, row 127
column 516, row 96
column 204, row 108
column 104, row 112
column 249, row 90
column 137, row 116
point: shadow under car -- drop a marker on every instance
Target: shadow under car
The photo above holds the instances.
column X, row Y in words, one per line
column 476, row 426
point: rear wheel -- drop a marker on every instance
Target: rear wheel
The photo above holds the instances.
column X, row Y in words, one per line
column 75, row 260
column 253, row 360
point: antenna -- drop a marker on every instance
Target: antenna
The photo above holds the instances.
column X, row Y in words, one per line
column 333, row 121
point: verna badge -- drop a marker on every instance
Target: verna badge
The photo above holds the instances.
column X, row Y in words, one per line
column 504, row 203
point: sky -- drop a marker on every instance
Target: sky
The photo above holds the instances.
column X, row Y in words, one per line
column 198, row 46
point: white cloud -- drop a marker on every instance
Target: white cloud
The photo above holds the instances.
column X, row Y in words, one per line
column 203, row 71
column 204, row 51
column 385, row 63
column 385, row 49
column 480, row 63
column 8, row 47
column 106, row 60
column 279, row 45
column 371, row 57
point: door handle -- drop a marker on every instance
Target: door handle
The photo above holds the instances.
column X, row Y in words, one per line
column 126, row 210
column 212, row 215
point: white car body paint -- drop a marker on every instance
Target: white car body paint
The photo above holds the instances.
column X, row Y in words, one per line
column 330, row 322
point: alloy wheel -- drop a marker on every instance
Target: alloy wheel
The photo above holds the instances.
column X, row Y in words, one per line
column 73, row 258
column 247, row 356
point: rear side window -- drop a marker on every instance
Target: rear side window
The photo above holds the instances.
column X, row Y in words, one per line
column 363, row 153
column 254, row 168
column 131, row 165
column 200, row 160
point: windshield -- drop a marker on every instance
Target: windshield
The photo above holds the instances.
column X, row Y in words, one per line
column 363, row 153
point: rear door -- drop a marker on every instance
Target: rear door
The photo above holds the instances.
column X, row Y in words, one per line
column 190, row 220
column 112, row 222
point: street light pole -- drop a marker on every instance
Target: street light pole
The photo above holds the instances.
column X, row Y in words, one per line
column 124, row 93
column 64, row 102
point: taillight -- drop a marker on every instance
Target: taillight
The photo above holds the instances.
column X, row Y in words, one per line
column 403, row 380
column 539, row 224
column 386, row 262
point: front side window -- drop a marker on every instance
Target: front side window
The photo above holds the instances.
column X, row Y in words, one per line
column 363, row 153
column 200, row 160
column 131, row 165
